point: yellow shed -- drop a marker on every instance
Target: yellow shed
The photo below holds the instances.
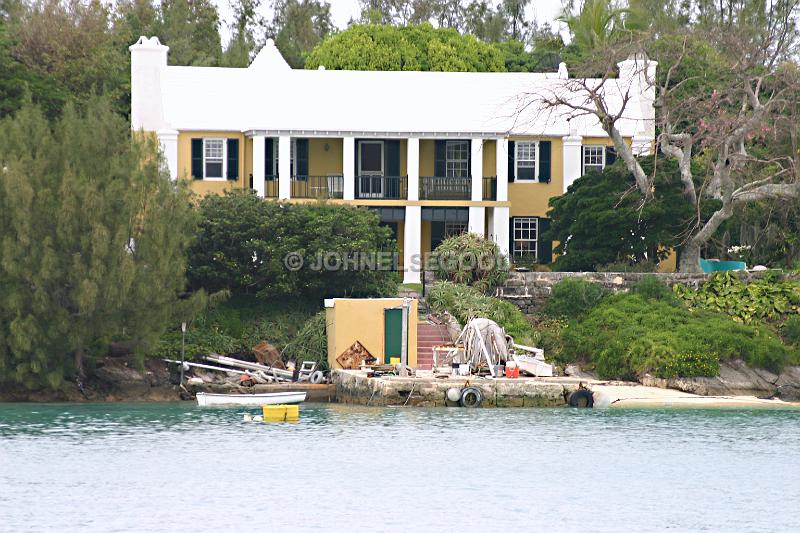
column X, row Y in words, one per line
column 374, row 322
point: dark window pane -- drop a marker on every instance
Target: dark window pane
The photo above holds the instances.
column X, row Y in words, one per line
column 524, row 173
column 371, row 157
column 214, row 169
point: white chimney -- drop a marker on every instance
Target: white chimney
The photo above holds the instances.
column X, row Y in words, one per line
column 148, row 63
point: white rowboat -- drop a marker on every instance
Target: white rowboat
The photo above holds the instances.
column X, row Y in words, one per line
column 209, row 399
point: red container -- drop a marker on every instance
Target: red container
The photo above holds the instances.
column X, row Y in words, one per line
column 512, row 372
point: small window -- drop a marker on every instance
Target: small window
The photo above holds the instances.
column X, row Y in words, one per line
column 452, row 229
column 526, row 235
column 457, row 159
column 214, row 158
column 526, row 160
column 594, row 158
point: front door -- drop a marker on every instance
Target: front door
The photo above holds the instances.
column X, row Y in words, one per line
column 370, row 169
column 392, row 334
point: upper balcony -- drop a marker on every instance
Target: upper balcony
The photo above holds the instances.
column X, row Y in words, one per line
column 377, row 169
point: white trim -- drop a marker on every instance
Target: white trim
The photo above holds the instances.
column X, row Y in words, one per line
column 383, row 159
column 517, row 177
column 602, row 154
column 224, row 141
column 513, row 238
column 371, row 173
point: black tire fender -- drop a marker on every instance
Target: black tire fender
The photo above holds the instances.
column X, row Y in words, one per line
column 581, row 398
column 470, row 397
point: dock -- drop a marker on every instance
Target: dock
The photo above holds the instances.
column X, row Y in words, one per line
column 427, row 390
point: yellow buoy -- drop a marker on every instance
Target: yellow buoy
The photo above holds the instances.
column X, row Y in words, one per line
column 281, row 413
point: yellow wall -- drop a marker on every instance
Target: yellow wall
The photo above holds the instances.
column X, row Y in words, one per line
column 322, row 162
column 203, row 187
column 489, row 158
column 530, row 199
column 352, row 319
column 427, row 156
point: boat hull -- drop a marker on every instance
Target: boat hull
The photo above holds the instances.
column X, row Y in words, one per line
column 209, row 399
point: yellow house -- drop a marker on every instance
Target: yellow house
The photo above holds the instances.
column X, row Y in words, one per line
column 434, row 153
column 376, row 323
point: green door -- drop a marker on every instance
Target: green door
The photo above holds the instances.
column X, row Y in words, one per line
column 392, row 333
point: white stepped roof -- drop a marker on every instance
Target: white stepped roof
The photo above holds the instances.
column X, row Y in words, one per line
column 269, row 96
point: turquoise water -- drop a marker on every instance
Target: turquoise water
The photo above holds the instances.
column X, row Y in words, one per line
column 168, row 467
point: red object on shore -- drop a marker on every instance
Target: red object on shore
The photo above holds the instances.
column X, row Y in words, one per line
column 512, row 372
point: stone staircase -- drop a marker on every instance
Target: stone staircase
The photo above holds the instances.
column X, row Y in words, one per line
column 428, row 336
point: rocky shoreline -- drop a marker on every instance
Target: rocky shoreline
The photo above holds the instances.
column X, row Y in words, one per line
column 121, row 379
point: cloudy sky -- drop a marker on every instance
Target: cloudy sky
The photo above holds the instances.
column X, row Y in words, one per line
column 344, row 10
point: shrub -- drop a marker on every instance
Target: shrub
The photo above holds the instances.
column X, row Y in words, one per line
column 628, row 335
column 573, row 297
column 653, row 288
column 791, row 330
column 465, row 302
column 768, row 299
column 243, row 244
column 310, row 343
column 470, row 259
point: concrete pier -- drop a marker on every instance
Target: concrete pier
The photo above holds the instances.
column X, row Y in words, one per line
column 425, row 390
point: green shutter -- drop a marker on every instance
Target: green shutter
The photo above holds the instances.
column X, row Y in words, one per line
column 233, row 159
column 512, row 168
column 269, row 160
column 611, row 155
column 197, row 159
column 545, row 150
column 440, row 159
column 301, row 158
column 544, row 247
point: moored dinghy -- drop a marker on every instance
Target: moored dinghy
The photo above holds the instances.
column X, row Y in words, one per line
column 209, row 399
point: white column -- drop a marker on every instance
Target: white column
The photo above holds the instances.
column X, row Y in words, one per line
column 572, row 158
column 641, row 144
column 259, row 171
column 412, row 245
column 477, row 220
column 412, row 167
column 501, row 170
column 284, row 167
column 476, row 169
column 349, row 167
column 499, row 228
column 168, row 141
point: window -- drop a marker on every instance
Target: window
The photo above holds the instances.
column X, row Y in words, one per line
column 451, row 229
column 457, row 159
column 526, row 235
column 594, row 158
column 214, row 158
column 526, row 160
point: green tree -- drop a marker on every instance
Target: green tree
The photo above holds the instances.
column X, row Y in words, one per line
column 298, row 26
column 244, row 40
column 514, row 11
column 191, row 30
column 596, row 24
column 243, row 244
column 420, row 47
column 600, row 220
column 93, row 238
column 396, row 12
column 69, row 47
column 485, row 22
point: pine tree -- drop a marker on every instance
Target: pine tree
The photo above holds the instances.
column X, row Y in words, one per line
column 93, row 237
